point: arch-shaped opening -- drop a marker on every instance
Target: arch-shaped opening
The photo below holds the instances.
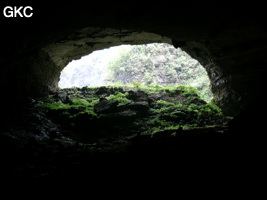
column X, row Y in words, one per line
column 157, row 92
column 151, row 64
column 148, row 110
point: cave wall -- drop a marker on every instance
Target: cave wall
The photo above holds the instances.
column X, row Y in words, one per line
column 85, row 41
column 228, row 39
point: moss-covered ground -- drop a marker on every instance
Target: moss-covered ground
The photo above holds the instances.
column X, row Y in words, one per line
column 131, row 108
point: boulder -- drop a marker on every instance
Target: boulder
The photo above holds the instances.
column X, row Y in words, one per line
column 101, row 90
column 61, row 95
column 140, row 107
column 106, row 106
column 138, row 95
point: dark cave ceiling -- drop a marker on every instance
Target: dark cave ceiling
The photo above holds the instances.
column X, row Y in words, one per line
column 228, row 39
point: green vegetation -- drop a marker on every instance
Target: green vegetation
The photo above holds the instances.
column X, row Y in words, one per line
column 169, row 115
column 185, row 90
column 120, row 97
column 56, row 105
column 159, row 64
column 165, row 108
column 80, row 105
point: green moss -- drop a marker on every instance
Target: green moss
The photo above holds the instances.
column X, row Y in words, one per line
column 164, row 114
column 155, row 125
column 86, row 106
column 187, row 90
column 120, row 97
column 154, row 88
column 77, row 102
column 172, row 127
column 56, row 106
column 165, row 103
column 163, row 107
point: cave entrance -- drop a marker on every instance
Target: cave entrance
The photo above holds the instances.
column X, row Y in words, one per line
column 149, row 64
column 150, row 89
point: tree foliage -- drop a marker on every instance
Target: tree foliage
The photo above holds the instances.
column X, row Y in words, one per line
column 159, row 64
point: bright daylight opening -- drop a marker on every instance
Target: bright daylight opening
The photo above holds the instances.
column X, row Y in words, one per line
column 150, row 64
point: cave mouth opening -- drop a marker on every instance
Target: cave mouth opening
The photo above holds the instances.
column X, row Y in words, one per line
column 149, row 64
column 150, row 89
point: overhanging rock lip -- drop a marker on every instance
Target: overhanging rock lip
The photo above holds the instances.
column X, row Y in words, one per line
column 87, row 40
